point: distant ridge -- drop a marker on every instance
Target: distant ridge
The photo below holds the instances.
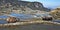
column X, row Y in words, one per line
column 23, row 4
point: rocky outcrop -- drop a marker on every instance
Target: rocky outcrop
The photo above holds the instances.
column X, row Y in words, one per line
column 22, row 5
column 33, row 5
column 55, row 13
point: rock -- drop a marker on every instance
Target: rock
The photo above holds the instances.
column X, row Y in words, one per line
column 12, row 19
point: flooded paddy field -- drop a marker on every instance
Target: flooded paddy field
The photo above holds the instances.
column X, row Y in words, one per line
column 32, row 26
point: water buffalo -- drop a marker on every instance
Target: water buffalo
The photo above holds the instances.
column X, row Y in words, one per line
column 12, row 19
column 47, row 18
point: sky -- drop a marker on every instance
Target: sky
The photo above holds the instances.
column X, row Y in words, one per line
column 48, row 3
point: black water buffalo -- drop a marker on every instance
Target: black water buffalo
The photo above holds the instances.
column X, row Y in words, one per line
column 47, row 18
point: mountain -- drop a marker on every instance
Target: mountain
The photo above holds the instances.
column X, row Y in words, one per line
column 22, row 4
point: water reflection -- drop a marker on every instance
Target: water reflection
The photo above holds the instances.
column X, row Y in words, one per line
column 3, row 21
column 56, row 21
column 3, row 16
column 21, row 16
column 29, row 27
column 24, row 17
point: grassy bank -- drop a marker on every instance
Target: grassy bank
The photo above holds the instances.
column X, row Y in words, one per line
column 29, row 22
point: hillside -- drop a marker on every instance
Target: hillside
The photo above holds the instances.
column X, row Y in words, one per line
column 55, row 13
column 21, row 6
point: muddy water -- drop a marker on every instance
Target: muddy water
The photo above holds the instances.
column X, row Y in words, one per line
column 21, row 16
column 28, row 27
column 32, row 27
